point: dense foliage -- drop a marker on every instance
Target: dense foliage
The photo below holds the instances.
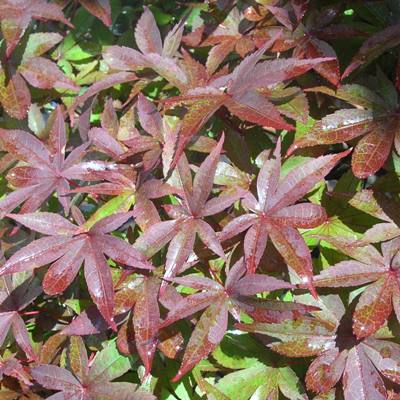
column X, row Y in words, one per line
column 200, row 200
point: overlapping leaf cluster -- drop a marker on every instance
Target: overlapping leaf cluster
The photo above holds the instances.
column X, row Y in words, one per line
column 199, row 201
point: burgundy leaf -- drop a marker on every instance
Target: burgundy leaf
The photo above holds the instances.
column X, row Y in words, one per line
column 254, row 283
column 61, row 274
column 373, row 47
column 361, row 380
column 204, row 179
column 146, row 321
column 207, row 334
column 100, row 9
column 46, row 223
column 105, row 83
column 44, row 74
column 16, row 16
column 147, row 34
column 98, row 277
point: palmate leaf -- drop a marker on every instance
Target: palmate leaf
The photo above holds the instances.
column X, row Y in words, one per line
column 218, row 301
column 188, row 217
column 240, row 94
column 312, row 47
column 154, row 54
column 121, row 140
column 377, row 301
column 15, row 17
column 125, row 59
column 128, row 191
column 371, row 151
column 276, row 216
column 47, row 168
column 225, row 39
column 308, row 40
column 377, row 127
column 311, row 40
column 141, row 333
column 86, row 381
column 155, row 155
column 359, row 363
column 15, row 299
column 67, row 246
column 203, row 101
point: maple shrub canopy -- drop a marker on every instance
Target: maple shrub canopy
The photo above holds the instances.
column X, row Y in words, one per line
column 199, row 200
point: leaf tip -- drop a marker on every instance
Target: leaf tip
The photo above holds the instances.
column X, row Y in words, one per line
column 178, row 376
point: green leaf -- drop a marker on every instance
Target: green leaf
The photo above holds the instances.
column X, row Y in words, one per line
column 109, row 364
column 240, row 385
column 239, row 350
column 121, row 203
column 290, row 384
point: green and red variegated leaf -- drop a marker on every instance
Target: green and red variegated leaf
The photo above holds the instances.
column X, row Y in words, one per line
column 373, row 307
column 372, row 151
column 366, row 254
column 341, row 126
column 354, row 94
column 349, row 273
column 15, row 96
column 207, row 334
column 303, row 337
column 16, row 16
column 325, row 371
